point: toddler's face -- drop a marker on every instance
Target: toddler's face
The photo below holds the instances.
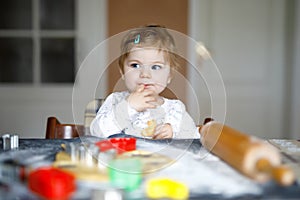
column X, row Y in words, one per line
column 148, row 67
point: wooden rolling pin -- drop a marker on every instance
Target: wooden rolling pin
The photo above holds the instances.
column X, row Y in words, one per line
column 251, row 156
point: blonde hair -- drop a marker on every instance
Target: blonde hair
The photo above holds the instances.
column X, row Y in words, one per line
column 152, row 36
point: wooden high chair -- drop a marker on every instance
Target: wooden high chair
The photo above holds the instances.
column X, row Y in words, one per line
column 91, row 112
column 57, row 130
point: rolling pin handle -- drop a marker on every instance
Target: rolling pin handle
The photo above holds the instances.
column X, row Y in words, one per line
column 208, row 119
column 283, row 175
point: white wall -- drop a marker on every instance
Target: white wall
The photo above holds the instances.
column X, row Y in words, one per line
column 247, row 46
column 295, row 79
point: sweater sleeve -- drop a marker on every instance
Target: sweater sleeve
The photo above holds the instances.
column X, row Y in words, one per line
column 111, row 118
column 188, row 129
column 182, row 123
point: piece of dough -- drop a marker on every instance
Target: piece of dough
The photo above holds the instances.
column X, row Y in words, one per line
column 150, row 130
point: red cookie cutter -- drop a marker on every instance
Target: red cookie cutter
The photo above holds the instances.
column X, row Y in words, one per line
column 51, row 183
column 120, row 144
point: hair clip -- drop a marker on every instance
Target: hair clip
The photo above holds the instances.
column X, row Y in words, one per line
column 137, row 39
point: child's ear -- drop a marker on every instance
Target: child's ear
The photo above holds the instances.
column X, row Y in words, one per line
column 169, row 80
column 122, row 74
column 170, row 76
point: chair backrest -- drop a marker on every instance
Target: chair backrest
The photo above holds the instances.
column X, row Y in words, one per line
column 57, row 130
column 91, row 112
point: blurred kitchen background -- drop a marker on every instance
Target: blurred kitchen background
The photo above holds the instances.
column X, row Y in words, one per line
column 255, row 44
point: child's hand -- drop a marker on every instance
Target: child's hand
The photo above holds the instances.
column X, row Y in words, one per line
column 142, row 99
column 163, row 131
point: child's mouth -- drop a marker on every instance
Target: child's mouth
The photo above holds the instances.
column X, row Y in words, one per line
column 148, row 85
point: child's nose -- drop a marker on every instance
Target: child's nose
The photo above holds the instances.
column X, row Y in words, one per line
column 145, row 73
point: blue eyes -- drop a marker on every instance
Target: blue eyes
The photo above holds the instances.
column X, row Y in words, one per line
column 134, row 65
column 138, row 66
column 156, row 67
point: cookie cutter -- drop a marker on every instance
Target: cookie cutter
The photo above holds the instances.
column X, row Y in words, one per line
column 10, row 141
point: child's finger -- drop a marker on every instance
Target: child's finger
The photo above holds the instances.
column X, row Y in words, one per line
column 150, row 99
column 159, row 129
column 150, row 105
column 160, row 133
column 140, row 88
column 157, row 136
column 160, row 136
column 149, row 93
column 163, row 131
